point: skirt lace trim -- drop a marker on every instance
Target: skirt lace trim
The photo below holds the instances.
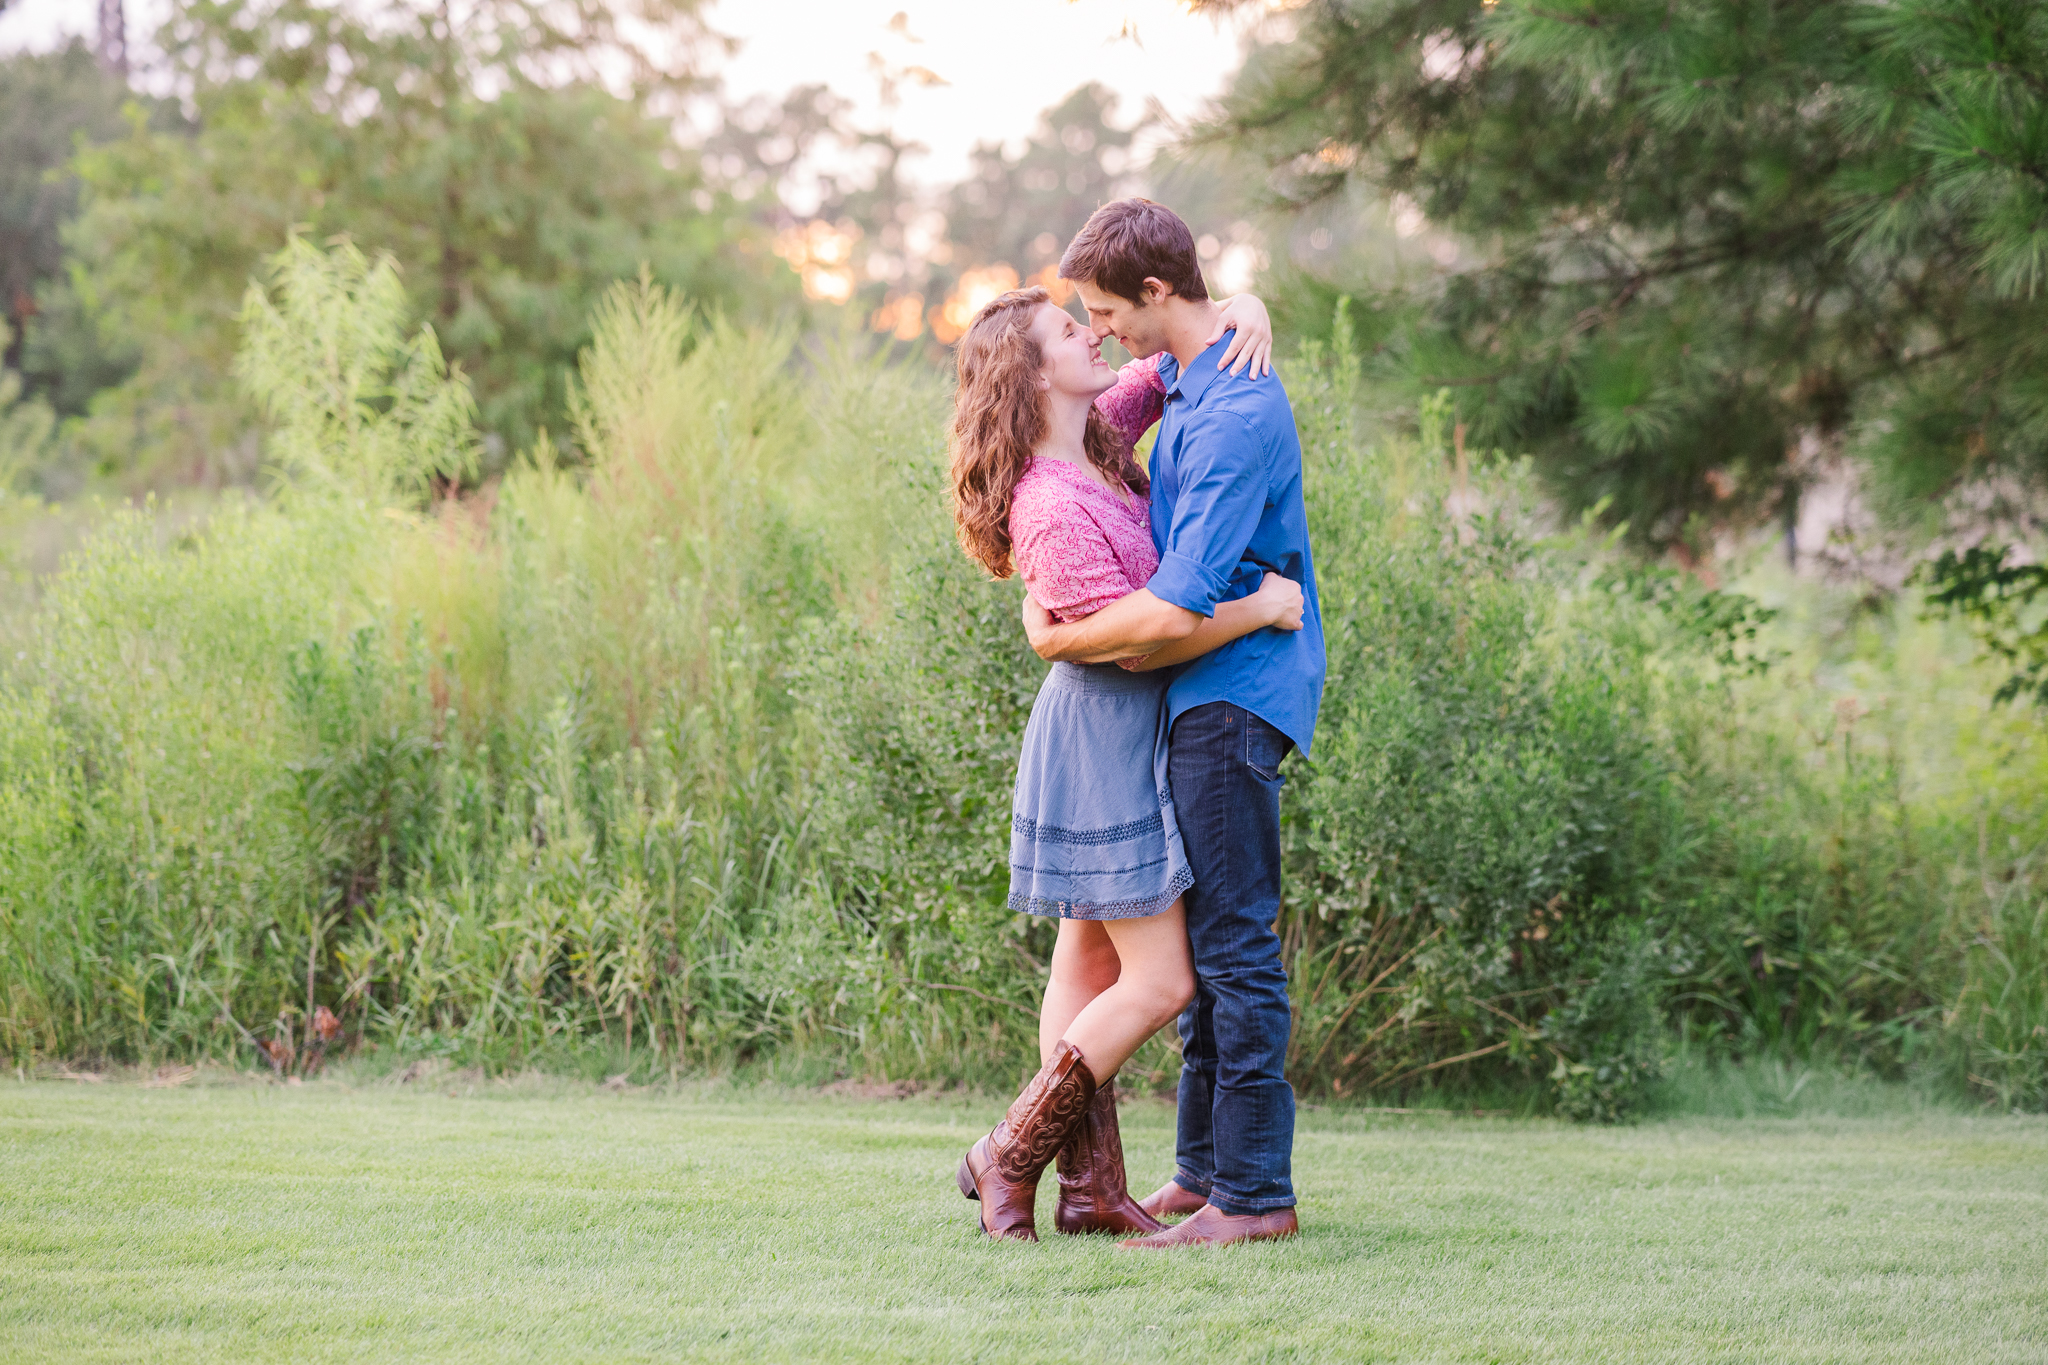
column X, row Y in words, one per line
column 1130, row 909
column 1032, row 830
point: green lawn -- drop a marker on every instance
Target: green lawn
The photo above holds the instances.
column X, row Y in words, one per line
column 242, row 1222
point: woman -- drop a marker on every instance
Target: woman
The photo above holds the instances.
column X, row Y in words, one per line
column 1045, row 485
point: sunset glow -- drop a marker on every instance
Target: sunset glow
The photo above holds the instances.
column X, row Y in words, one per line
column 822, row 254
column 977, row 289
column 901, row 317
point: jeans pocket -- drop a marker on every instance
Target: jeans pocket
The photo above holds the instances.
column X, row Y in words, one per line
column 1264, row 748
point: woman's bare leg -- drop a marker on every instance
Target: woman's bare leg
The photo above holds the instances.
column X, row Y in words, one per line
column 1084, row 965
column 1154, row 982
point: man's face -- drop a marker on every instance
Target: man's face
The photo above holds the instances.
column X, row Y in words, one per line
column 1138, row 324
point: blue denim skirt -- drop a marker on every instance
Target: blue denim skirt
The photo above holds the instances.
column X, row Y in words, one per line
column 1092, row 833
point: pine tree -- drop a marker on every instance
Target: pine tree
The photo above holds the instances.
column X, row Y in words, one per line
column 1711, row 231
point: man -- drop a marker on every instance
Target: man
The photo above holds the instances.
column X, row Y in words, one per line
column 1226, row 509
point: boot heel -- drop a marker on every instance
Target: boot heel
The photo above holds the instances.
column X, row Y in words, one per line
column 965, row 1180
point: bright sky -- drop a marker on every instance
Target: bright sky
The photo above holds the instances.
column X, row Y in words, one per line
column 1002, row 61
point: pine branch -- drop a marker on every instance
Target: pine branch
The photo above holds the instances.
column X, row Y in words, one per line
column 2033, row 79
column 1582, row 21
column 2036, row 172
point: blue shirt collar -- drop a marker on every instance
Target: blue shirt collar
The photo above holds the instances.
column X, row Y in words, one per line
column 1195, row 382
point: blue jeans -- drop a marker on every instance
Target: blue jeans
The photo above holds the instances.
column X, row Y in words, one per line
column 1236, row 1124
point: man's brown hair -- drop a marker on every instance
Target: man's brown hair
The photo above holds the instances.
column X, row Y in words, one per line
column 1126, row 240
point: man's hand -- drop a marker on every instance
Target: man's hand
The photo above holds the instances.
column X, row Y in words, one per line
column 1281, row 602
column 1038, row 624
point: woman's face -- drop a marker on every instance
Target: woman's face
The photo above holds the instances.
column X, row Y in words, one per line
column 1073, row 354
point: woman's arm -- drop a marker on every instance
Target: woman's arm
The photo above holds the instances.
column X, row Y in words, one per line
column 1137, row 399
column 1252, row 347
column 1139, row 396
column 1278, row 603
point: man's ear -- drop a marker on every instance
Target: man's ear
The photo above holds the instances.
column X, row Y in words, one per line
column 1154, row 290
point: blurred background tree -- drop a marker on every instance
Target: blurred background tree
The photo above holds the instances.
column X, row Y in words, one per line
column 917, row 261
column 1687, row 256
column 721, row 665
column 1022, row 207
column 50, row 104
column 1009, row 220
column 513, row 160
column 514, row 164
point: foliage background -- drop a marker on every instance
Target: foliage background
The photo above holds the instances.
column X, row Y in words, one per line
column 1711, row 242
column 546, row 646
column 702, row 756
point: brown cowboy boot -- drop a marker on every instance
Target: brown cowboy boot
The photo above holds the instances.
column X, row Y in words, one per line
column 1210, row 1226
column 1002, row 1169
column 1093, row 1196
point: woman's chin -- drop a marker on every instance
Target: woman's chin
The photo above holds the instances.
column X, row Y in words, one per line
column 1090, row 388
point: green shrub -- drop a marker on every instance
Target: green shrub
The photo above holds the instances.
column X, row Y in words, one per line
column 1491, row 803
column 700, row 753
column 2001, row 1018
column 1871, row 820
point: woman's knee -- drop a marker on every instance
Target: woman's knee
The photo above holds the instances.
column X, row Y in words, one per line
column 1168, row 992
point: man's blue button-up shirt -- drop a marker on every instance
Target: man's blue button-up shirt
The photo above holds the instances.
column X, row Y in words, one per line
column 1226, row 508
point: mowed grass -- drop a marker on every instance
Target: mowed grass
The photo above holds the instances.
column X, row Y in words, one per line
column 536, row 1221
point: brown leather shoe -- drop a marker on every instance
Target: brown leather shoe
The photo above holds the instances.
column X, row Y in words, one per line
column 1093, row 1194
column 1171, row 1199
column 1002, row 1169
column 1210, row 1226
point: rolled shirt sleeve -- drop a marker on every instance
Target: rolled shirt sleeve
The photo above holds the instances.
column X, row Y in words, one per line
column 1216, row 512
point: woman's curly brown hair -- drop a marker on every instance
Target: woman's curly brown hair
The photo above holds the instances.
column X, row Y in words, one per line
column 999, row 417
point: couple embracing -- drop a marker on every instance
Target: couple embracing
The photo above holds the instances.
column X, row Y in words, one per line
column 1179, row 610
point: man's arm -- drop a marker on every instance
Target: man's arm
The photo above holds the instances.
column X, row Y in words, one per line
column 1135, row 624
column 1222, row 470
column 1277, row 603
column 1222, row 498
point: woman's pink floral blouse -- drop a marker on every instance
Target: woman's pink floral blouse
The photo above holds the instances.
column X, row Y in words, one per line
column 1077, row 545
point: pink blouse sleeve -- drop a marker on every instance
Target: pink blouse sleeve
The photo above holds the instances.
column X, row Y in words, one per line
column 1137, row 400
column 1064, row 558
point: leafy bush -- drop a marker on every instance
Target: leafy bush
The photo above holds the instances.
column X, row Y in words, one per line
column 1491, row 802
column 702, row 754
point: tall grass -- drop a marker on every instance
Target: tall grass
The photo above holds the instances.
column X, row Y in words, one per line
column 1882, row 823
column 698, row 750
